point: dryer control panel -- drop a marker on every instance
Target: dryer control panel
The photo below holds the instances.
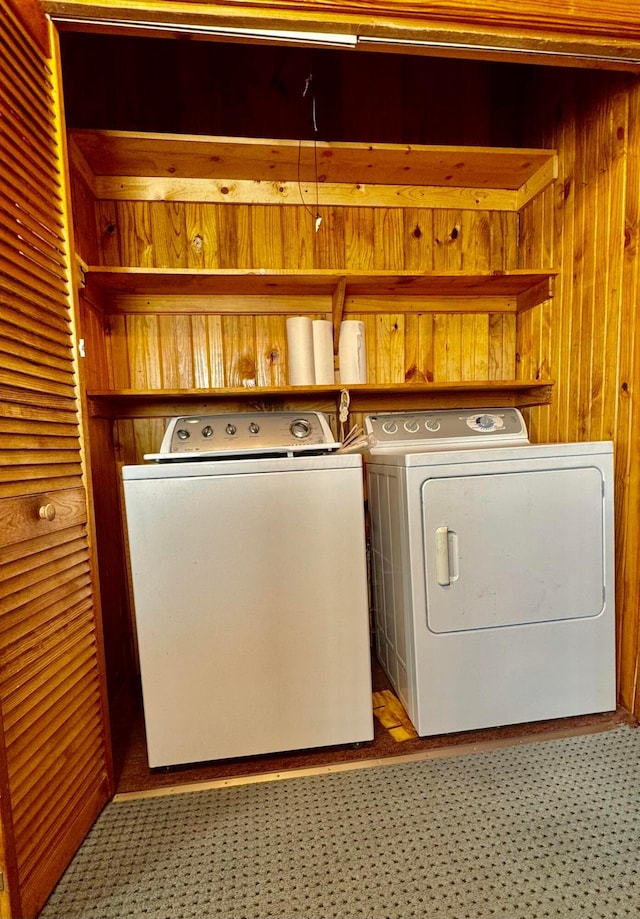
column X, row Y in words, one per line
column 449, row 429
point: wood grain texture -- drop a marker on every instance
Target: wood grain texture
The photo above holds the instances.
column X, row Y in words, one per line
column 251, row 245
column 23, row 520
column 55, row 776
column 390, row 713
column 525, row 24
column 587, row 339
column 120, row 154
column 586, row 336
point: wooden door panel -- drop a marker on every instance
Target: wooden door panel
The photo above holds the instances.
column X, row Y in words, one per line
column 55, row 773
column 23, row 517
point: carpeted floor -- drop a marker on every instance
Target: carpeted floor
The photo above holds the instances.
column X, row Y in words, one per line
column 542, row 829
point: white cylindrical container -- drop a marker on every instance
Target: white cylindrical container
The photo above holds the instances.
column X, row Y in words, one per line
column 300, row 351
column 323, row 351
column 352, row 352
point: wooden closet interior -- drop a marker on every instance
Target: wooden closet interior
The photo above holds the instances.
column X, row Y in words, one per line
column 480, row 217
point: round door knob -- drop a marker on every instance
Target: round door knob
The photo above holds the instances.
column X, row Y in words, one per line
column 47, row 512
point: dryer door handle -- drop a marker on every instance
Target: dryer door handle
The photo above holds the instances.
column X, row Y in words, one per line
column 447, row 569
column 443, row 575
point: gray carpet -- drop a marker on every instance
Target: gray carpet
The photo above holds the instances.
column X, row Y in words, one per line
column 546, row 829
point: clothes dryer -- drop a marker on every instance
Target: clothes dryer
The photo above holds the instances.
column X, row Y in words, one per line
column 492, row 569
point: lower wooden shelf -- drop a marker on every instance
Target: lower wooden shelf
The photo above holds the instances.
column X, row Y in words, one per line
column 370, row 397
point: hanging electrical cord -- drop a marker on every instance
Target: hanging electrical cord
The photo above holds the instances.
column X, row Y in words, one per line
column 314, row 122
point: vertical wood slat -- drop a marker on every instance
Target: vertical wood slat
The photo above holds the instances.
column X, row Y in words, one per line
column 328, row 244
column 271, row 351
column 176, row 356
column 133, row 230
column 240, row 359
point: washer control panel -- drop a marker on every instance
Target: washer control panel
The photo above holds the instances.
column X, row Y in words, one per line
column 449, row 429
column 245, row 434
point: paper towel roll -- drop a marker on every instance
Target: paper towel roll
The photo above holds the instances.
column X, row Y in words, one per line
column 352, row 353
column 300, row 351
column 323, row 351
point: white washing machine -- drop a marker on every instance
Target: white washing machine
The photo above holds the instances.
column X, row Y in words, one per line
column 492, row 569
column 247, row 547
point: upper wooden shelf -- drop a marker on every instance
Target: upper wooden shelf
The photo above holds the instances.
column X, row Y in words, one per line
column 129, row 289
column 125, row 165
column 371, row 397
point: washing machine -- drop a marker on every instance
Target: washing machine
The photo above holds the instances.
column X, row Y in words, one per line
column 492, row 569
column 248, row 563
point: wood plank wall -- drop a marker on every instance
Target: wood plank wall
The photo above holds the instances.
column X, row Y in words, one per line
column 157, row 349
column 129, row 84
column 586, row 226
column 587, row 338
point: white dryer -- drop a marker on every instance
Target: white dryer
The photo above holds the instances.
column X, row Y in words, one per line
column 492, row 569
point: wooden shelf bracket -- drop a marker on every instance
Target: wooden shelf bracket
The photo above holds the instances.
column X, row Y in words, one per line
column 337, row 310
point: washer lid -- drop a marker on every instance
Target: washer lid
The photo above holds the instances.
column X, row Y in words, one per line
column 448, row 429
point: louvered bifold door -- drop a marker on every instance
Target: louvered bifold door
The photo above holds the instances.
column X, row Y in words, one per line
column 54, row 768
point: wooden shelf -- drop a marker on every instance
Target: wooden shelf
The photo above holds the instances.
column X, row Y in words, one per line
column 273, row 290
column 123, row 166
column 366, row 398
column 241, row 170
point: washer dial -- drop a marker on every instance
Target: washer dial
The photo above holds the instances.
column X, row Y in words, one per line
column 300, row 428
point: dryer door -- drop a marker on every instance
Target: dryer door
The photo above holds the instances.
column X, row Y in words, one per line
column 514, row 547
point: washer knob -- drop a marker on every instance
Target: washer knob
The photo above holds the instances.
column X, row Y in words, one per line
column 411, row 426
column 390, row 427
column 231, row 429
column 207, row 431
column 183, row 434
column 254, row 427
column 432, row 424
column 300, row 428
